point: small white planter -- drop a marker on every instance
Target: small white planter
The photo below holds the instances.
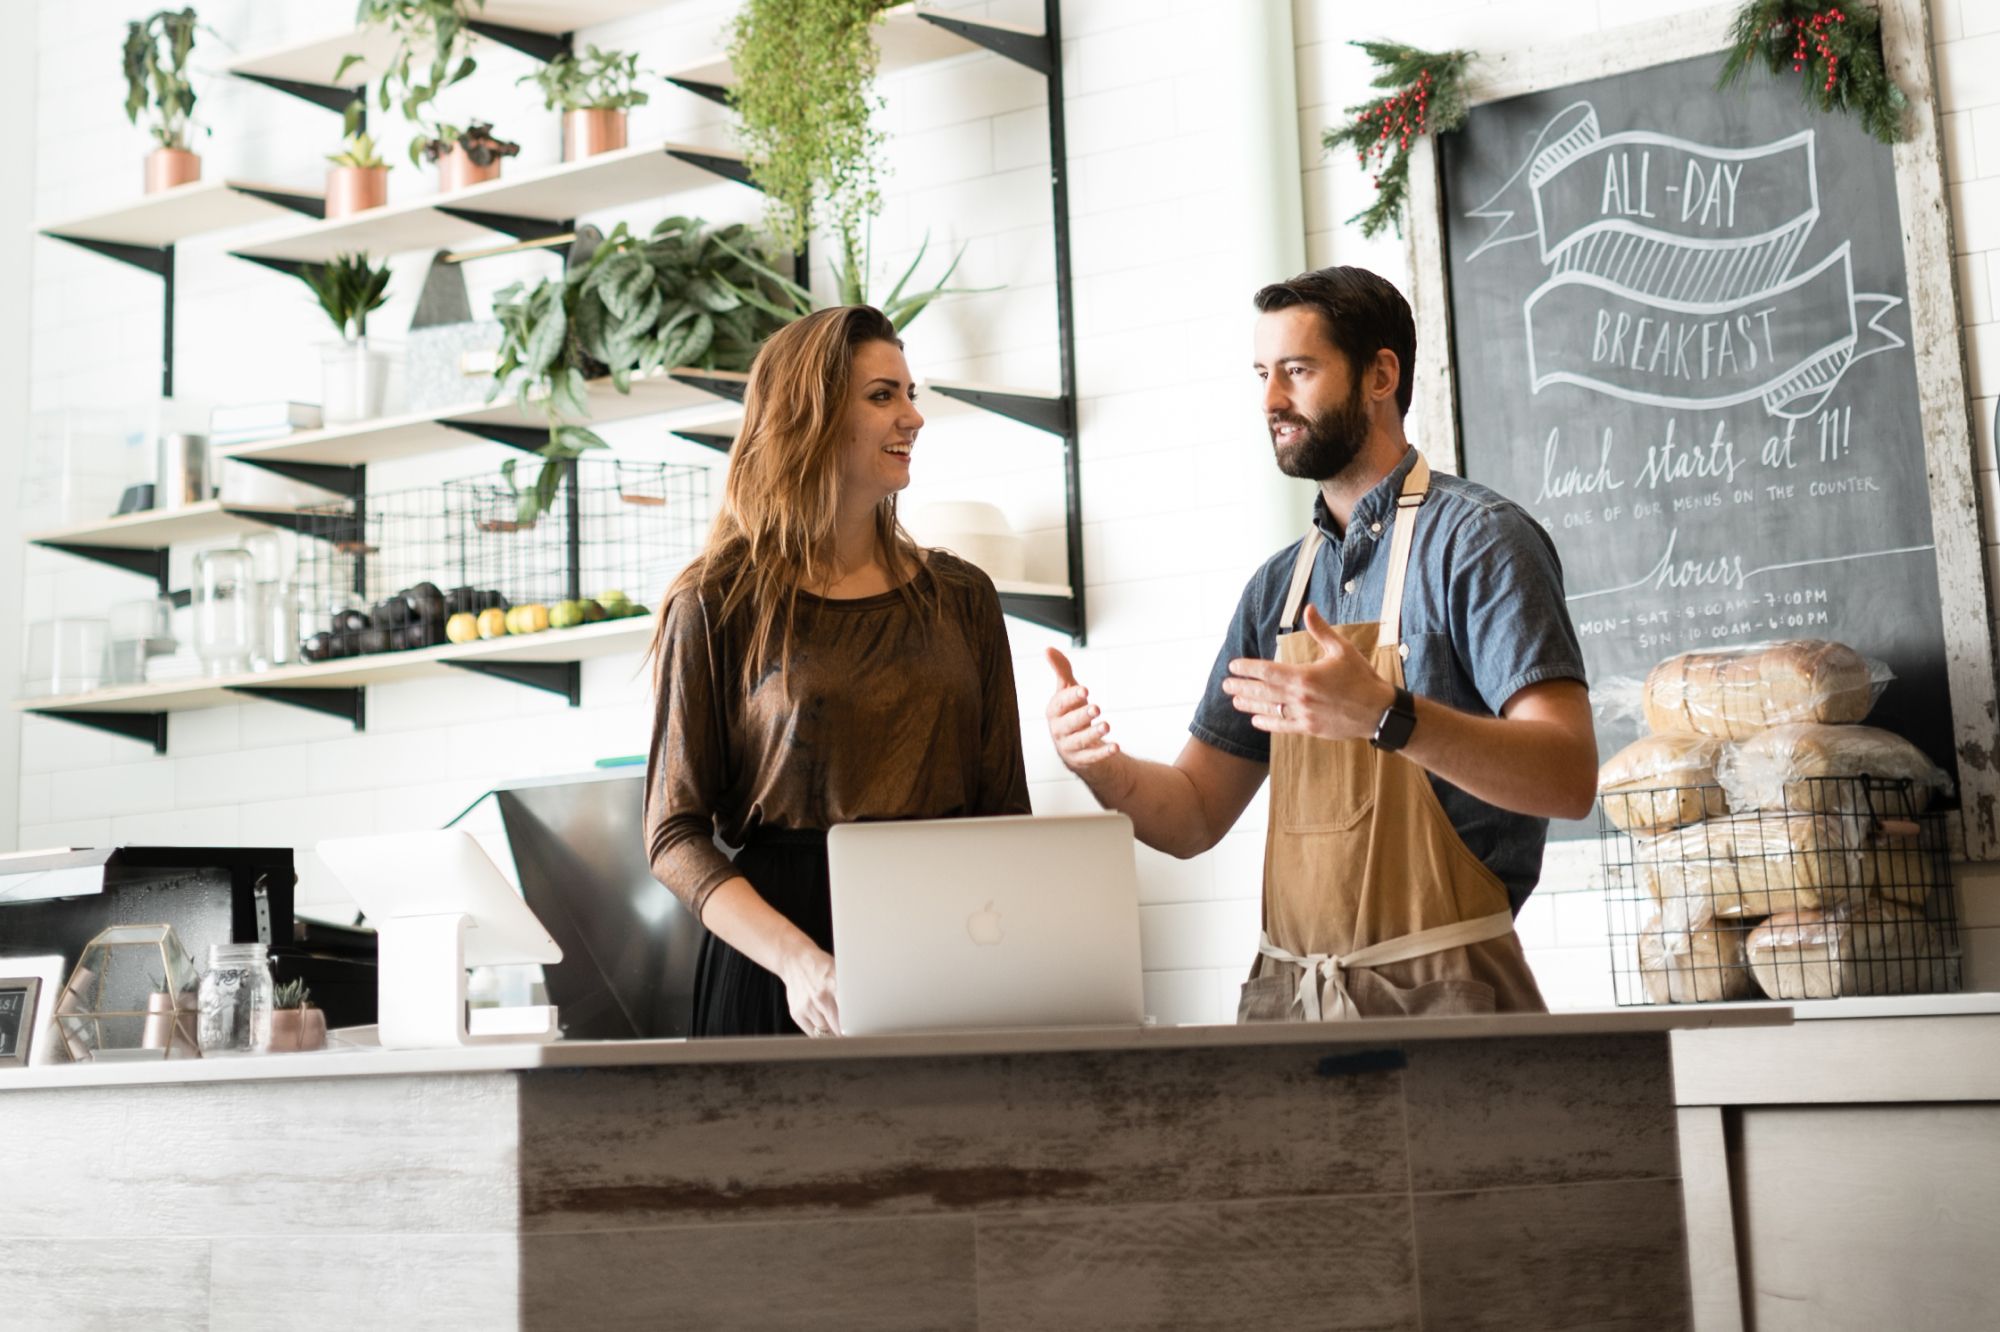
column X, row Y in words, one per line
column 354, row 382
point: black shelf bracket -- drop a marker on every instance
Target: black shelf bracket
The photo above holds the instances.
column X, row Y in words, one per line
column 341, row 480
column 528, row 229
column 344, row 529
column 555, row 677
column 1037, row 51
column 729, row 168
column 327, row 95
column 543, row 46
column 148, row 728
column 707, row 439
column 1055, row 415
column 155, row 259
column 146, row 563
column 721, row 387
column 1050, row 612
column 528, row 439
column 289, row 267
column 348, row 704
column 714, row 92
column 311, row 205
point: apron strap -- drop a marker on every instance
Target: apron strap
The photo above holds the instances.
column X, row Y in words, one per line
column 1331, row 971
column 1415, row 486
column 1302, row 568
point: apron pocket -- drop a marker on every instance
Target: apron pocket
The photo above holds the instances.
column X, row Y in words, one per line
column 1266, row 998
column 1321, row 806
column 1457, row 996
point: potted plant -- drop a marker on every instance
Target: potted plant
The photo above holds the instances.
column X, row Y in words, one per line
column 358, row 179
column 156, row 81
column 850, row 275
column 297, row 1023
column 354, row 377
column 593, row 91
column 466, row 156
column 637, row 305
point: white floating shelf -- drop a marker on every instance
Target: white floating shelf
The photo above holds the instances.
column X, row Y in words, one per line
column 315, row 61
column 934, row 405
column 1008, row 587
column 171, row 216
column 550, row 193
column 604, row 639
column 905, row 40
column 410, row 435
column 157, row 529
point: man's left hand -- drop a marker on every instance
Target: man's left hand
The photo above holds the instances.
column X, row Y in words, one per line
column 1338, row 697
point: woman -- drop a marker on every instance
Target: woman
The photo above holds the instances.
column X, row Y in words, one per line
column 816, row 666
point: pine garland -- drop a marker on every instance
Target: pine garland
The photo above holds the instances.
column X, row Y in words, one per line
column 1429, row 98
column 1838, row 50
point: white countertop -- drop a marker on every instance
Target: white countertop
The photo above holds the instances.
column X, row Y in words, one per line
column 368, row 1061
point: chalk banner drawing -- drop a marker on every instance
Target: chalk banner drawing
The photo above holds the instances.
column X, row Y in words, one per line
column 1671, row 278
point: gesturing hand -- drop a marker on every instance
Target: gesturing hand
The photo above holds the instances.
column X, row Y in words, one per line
column 1338, row 697
column 1081, row 740
column 809, row 991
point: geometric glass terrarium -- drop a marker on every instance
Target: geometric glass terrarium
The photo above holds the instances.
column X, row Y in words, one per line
column 133, row 995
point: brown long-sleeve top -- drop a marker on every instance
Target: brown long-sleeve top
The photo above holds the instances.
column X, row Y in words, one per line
column 881, row 716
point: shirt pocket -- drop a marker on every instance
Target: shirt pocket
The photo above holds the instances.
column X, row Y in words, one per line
column 1430, row 670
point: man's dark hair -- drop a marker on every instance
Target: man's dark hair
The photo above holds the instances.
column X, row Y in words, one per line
column 1362, row 312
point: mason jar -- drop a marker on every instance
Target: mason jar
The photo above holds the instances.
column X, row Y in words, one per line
column 237, row 996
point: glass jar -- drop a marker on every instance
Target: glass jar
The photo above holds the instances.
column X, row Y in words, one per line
column 278, row 635
column 225, row 610
column 237, row 996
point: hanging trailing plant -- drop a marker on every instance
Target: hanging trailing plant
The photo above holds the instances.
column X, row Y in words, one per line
column 1836, row 48
column 156, row 74
column 805, row 73
column 432, row 37
column 682, row 296
column 1428, row 98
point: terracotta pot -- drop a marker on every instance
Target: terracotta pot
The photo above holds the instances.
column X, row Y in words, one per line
column 295, row 1030
column 591, row 131
column 168, row 167
column 456, row 170
column 355, row 190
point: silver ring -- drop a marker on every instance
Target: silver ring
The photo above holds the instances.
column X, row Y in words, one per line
column 1281, row 712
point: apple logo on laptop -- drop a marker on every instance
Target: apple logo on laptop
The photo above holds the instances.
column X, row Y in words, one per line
column 983, row 926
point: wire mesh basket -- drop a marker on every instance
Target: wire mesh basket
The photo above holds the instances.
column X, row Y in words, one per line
column 418, row 567
column 1846, row 890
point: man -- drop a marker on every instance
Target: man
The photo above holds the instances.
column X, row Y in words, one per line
column 1409, row 677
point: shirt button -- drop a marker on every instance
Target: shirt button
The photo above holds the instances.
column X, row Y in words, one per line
column 1375, row 529
column 1348, row 587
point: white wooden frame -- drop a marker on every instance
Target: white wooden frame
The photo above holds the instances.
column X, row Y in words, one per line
column 1935, row 324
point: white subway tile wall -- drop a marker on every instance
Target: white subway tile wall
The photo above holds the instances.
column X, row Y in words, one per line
column 1169, row 420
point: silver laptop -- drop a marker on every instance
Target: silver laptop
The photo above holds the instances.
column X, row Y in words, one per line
column 950, row 924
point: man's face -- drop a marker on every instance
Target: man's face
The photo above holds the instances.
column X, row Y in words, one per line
column 1312, row 398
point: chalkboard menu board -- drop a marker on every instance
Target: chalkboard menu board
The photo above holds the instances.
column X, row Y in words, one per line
column 17, row 1014
column 1681, row 340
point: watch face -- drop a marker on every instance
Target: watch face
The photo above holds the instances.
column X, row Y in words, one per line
column 1393, row 731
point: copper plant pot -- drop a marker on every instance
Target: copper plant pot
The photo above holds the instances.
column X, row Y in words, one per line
column 456, row 170
column 168, row 167
column 591, row 131
column 298, row 1029
column 355, row 190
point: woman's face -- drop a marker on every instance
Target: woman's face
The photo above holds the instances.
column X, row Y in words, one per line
column 881, row 424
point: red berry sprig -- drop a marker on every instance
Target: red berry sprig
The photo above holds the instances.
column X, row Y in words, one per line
column 1401, row 114
column 1818, row 32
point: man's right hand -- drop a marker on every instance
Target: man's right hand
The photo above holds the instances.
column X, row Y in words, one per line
column 1082, row 738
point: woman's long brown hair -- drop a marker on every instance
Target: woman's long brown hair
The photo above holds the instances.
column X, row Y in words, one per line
column 774, row 534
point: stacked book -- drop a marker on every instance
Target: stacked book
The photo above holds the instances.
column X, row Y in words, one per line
column 251, row 423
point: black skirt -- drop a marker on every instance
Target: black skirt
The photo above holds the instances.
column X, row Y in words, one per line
column 733, row 996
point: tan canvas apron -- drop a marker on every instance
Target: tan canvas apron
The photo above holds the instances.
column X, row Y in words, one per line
column 1373, row 906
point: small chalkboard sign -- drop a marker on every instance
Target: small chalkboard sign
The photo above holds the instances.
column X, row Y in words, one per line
column 17, row 1018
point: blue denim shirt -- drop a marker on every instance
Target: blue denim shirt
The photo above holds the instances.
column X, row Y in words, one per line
column 1483, row 614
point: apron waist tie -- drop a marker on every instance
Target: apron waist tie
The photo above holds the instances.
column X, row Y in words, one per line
column 1331, row 971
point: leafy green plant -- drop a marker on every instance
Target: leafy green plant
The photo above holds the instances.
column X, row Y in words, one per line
column 357, row 150
column 291, row 994
column 595, row 81
column 1837, row 50
column 679, row 296
column 156, row 74
column 431, row 40
column 805, row 74
column 791, row 301
column 476, row 139
column 348, row 289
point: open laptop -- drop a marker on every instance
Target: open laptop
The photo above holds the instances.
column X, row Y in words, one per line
column 950, row 924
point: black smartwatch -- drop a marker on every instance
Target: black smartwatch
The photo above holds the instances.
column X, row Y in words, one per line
column 1398, row 720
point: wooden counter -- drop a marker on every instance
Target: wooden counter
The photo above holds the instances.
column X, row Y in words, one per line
column 1517, row 1171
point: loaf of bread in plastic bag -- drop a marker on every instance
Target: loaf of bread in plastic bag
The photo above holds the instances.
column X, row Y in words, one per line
column 1687, row 956
column 1736, row 692
column 1751, row 865
column 1865, row 947
column 1780, row 769
column 1662, row 781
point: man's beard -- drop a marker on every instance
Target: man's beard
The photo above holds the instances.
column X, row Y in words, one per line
column 1332, row 440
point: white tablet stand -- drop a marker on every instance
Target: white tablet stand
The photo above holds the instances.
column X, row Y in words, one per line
column 439, row 906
